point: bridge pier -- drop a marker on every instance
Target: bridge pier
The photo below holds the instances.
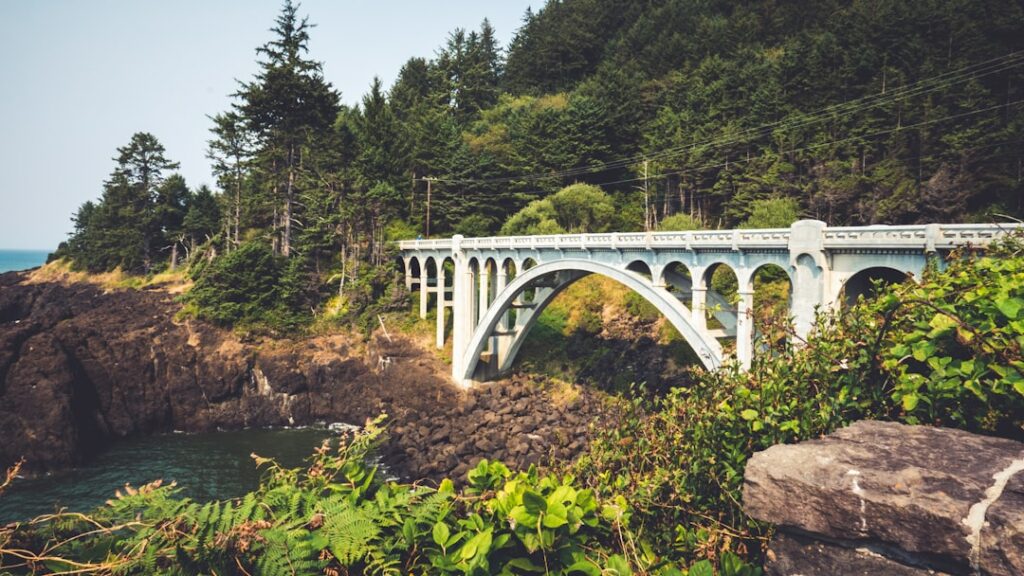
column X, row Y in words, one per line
column 424, row 291
column 441, row 301
column 698, row 303
column 745, row 328
column 462, row 310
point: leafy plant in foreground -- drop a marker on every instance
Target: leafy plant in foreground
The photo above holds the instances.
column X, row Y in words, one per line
column 337, row 517
column 944, row 351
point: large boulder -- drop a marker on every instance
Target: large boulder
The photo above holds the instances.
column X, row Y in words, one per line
column 934, row 500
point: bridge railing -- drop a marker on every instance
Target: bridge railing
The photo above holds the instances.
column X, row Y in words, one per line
column 928, row 237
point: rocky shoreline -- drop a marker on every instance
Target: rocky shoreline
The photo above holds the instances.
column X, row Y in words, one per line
column 82, row 367
column 518, row 422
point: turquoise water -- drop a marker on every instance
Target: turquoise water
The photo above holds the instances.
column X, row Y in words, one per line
column 206, row 466
column 21, row 259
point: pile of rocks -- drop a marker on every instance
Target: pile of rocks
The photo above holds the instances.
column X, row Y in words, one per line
column 517, row 422
column 886, row 498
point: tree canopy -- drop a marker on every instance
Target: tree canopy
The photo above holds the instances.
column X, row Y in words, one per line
column 599, row 114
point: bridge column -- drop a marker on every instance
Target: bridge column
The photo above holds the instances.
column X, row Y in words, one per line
column 811, row 273
column 408, row 274
column 499, row 344
column 745, row 328
column 424, row 291
column 462, row 311
column 485, row 291
column 698, row 302
column 441, row 301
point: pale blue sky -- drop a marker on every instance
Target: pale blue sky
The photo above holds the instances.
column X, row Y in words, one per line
column 79, row 78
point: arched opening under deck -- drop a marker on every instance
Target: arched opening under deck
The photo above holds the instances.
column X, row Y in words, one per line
column 548, row 282
column 772, row 290
column 866, row 283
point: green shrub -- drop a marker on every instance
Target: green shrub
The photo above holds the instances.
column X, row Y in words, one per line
column 251, row 287
column 679, row 223
column 338, row 517
column 946, row 351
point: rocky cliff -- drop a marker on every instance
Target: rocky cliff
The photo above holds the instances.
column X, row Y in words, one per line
column 81, row 367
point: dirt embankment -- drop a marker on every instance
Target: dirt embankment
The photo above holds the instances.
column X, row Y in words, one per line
column 81, row 367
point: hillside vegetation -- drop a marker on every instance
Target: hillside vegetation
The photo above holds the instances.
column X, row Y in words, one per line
column 685, row 114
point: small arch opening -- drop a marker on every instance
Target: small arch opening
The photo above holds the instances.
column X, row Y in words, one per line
column 415, row 269
column 773, row 292
column 720, row 300
column 866, row 283
column 679, row 281
column 640, row 267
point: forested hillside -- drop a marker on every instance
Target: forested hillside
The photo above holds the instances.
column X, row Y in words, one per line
column 850, row 112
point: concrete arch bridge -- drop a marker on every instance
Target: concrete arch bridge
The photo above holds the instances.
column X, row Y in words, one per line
column 497, row 287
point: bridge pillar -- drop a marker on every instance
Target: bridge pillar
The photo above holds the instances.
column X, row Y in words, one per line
column 462, row 311
column 811, row 273
column 499, row 344
column 408, row 274
column 745, row 328
column 440, row 289
column 485, row 291
column 424, row 291
column 698, row 300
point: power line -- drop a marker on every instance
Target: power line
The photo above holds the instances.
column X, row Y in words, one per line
column 835, row 111
column 661, row 194
column 823, row 144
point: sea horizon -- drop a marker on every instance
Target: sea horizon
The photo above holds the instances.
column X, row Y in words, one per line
column 15, row 259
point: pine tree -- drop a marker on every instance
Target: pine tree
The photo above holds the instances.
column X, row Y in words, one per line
column 288, row 106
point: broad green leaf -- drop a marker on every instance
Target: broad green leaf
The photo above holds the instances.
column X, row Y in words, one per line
column 525, row 565
column 534, row 503
column 584, row 566
column 702, row 568
column 941, row 323
column 1010, row 307
column 748, row 414
column 441, row 533
column 616, row 565
column 910, row 402
column 555, row 517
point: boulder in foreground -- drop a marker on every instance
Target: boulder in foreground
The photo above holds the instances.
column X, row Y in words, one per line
column 883, row 497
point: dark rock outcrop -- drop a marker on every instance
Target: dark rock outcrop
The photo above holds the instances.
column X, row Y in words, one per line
column 880, row 497
column 81, row 367
column 518, row 422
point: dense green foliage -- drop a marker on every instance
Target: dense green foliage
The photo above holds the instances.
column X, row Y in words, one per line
column 338, row 517
column 248, row 287
column 752, row 113
column 946, row 351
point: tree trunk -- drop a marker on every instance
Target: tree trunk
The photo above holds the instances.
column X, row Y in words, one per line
column 238, row 205
column 286, row 241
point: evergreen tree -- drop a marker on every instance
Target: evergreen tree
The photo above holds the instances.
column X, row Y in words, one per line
column 230, row 151
column 288, row 107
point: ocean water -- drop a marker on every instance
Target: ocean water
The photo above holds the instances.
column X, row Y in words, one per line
column 209, row 466
column 21, row 259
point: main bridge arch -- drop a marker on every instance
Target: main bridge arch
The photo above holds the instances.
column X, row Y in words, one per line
column 495, row 331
